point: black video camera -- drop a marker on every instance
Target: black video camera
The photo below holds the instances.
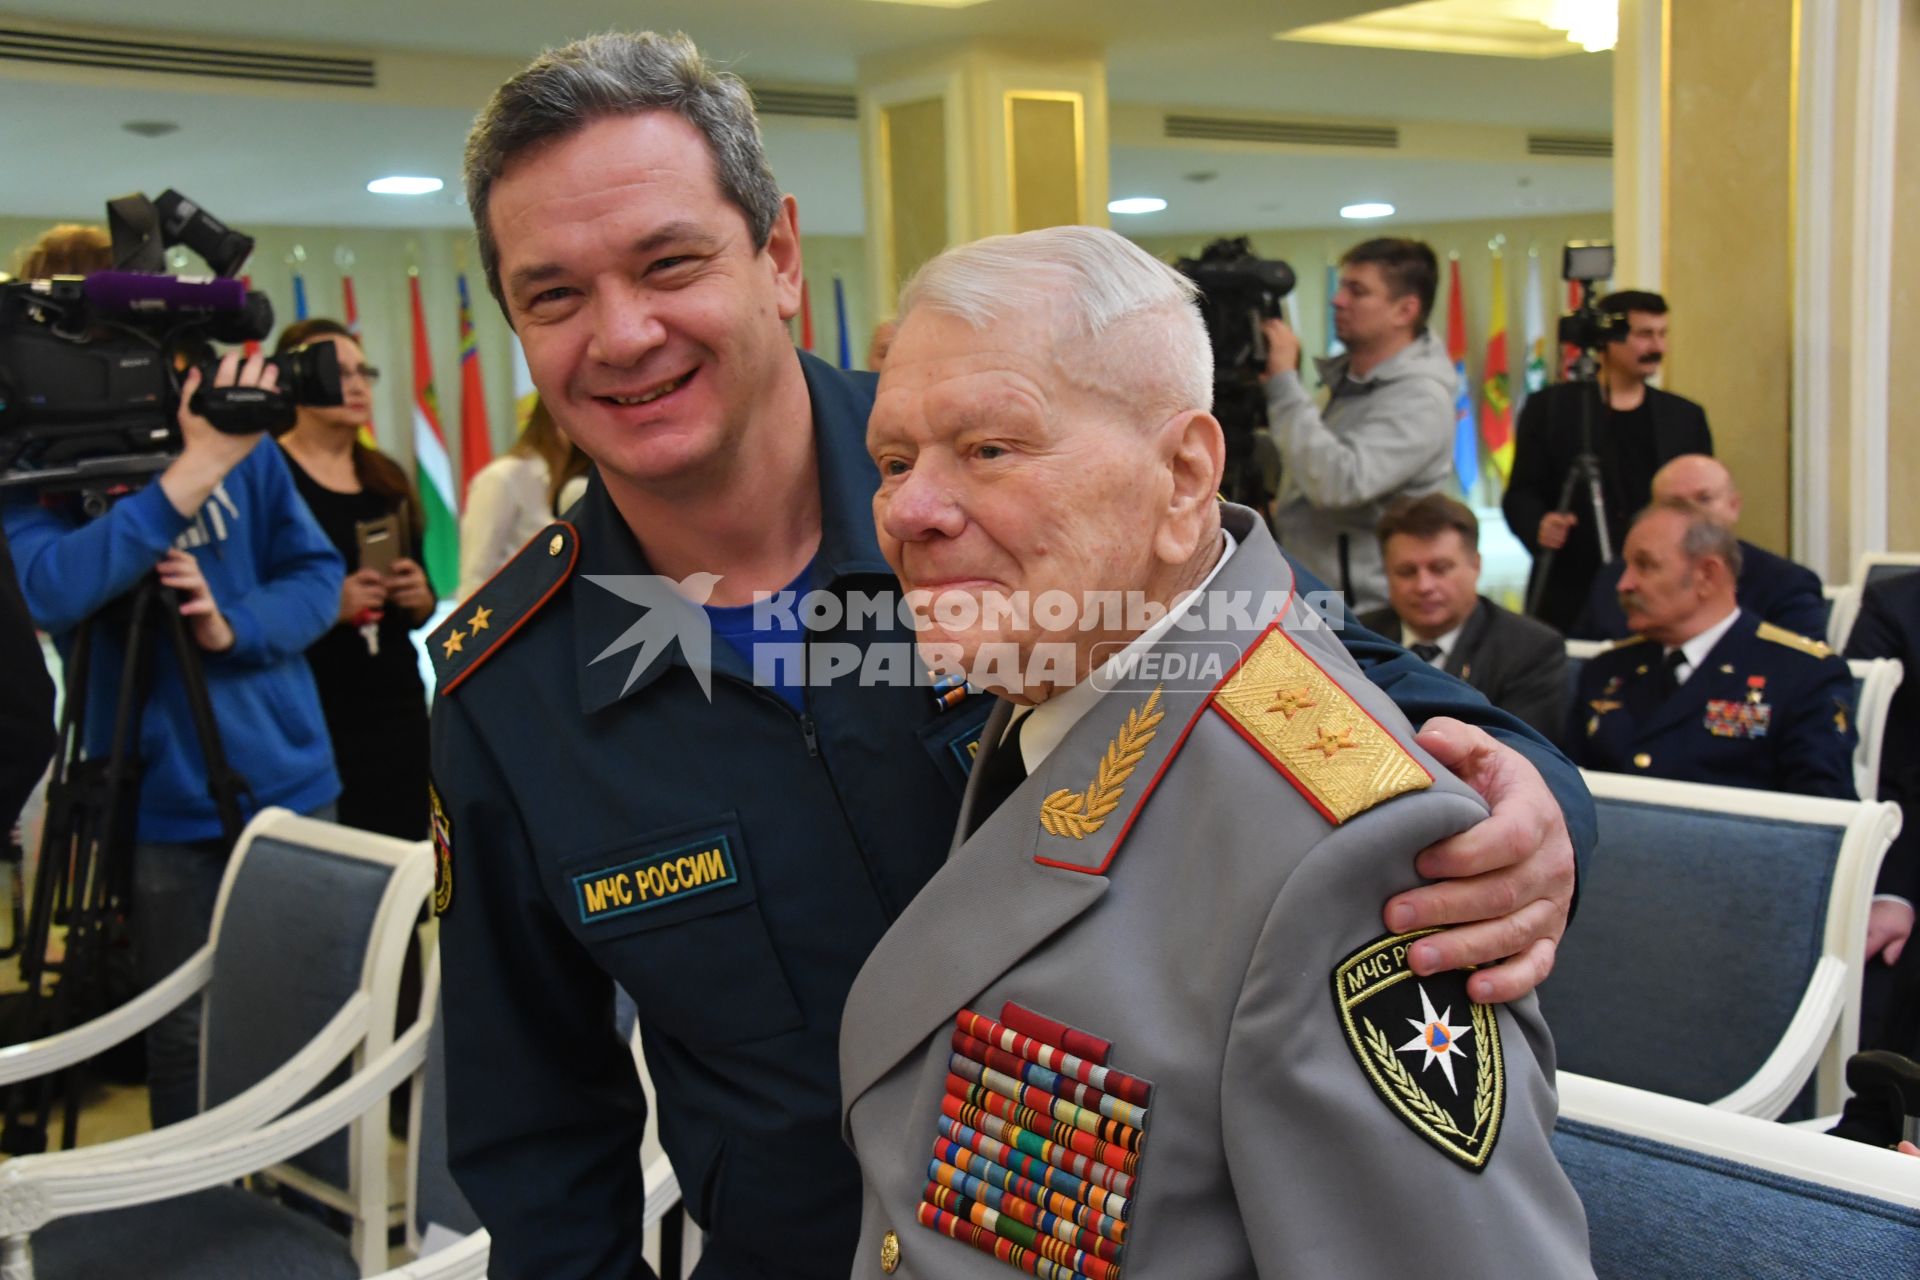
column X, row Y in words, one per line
column 91, row 367
column 1237, row 292
column 1586, row 263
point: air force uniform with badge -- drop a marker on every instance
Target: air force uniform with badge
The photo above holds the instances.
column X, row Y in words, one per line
column 1760, row 707
column 1145, row 1020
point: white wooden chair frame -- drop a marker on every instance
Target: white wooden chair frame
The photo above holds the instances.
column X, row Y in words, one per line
column 254, row 1130
column 1879, row 681
column 1825, row 1029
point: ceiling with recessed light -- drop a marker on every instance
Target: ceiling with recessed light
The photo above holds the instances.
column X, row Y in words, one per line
column 284, row 156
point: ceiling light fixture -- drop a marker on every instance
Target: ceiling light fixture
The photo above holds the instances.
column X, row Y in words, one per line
column 401, row 185
column 1136, row 204
column 1366, row 209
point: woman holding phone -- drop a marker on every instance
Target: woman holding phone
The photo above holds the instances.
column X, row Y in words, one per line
column 369, row 678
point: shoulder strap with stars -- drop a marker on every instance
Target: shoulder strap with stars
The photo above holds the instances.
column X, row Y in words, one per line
column 477, row 629
column 1314, row 732
column 1793, row 640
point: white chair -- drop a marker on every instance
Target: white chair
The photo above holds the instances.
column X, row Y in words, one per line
column 1675, row 1190
column 1584, row 650
column 1720, row 943
column 1875, row 681
column 301, row 982
column 1875, row 566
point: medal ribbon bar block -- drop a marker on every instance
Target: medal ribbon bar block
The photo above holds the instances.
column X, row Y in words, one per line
column 1038, row 1147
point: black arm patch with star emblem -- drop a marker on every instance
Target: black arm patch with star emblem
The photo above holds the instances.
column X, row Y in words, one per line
column 482, row 623
column 1429, row 1052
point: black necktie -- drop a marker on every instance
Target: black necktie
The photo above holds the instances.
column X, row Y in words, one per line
column 1425, row 652
column 1000, row 776
column 1670, row 673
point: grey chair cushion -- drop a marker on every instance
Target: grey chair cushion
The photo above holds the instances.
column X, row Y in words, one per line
column 1697, row 935
column 439, row 1198
column 222, row 1234
column 1660, row 1212
column 303, row 918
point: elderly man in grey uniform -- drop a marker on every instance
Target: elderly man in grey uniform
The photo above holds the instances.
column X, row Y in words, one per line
column 1144, row 1019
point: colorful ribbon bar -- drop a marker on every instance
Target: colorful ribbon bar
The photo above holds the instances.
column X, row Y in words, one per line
column 1087, row 1193
column 1075, row 1261
column 1076, row 1163
column 1072, row 1039
column 1123, row 1086
column 972, row 1163
column 1052, row 1081
column 1021, row 1210
column 1119, row 1155
column 988, row 1242
column 1048, row 1104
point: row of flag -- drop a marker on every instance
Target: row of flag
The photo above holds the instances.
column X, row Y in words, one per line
column 805, row 320
column 1500, row 400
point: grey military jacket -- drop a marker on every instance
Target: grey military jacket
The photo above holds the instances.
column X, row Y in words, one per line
column 1146, row 1019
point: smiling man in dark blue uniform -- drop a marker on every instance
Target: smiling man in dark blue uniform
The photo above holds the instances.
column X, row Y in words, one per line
column 621, row 798
column 1706, row 691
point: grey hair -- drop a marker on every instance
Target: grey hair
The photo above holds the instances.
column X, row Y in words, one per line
column 1703, row 536
column 618, row 74
column 1137, row 314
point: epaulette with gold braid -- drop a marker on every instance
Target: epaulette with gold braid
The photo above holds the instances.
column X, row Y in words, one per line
column 1314, row 732
column 484, row 621
column 1793, row 640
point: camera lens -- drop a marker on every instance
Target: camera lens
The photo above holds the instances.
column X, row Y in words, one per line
column 311, row 374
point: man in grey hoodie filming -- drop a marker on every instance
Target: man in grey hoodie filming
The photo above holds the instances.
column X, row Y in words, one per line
column 1386, row 428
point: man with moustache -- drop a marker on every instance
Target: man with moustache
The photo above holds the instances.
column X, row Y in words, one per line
column 1636, row 429
column 1144, row 1020
column 725, row 838
column 1706, row 691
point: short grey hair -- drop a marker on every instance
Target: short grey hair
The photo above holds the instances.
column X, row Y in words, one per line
column 620, row 74
column 1703, row 537
column 1134, row 315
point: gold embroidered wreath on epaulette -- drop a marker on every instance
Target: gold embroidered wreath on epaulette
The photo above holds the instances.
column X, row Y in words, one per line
column 1076, row 814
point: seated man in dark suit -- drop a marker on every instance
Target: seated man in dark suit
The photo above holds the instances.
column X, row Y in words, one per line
column 1705, row 691
column 1431, row 548
column 1889, row 627
column 1772, row 588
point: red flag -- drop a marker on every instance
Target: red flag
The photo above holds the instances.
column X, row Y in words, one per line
column 1568, row 352
column 476, row 442
column 806, row 316
column 251, row 347
column 1496, row 401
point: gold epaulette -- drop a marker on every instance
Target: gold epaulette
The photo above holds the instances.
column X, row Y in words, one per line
column 1314, row 732
column 1794, row 640
column 477, row 629
column 1624, row 643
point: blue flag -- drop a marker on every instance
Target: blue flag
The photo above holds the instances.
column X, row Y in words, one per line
column 299, row 296
column 840, row 319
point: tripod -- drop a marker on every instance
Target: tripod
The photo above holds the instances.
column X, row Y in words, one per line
column 1584, row 472
column 86, row 850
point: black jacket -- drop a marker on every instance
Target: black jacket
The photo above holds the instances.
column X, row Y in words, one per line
column 731, row 862
column 26, row 698
column 1772, row 588
column 1520, row 664
column 1889, row 627
column 1547, row 441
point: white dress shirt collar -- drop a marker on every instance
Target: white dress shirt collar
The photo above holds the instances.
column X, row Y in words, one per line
column 1695, row 651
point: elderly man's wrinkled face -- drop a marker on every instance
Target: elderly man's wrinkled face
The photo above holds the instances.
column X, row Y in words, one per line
column 1001, row 478
column 1660, row 589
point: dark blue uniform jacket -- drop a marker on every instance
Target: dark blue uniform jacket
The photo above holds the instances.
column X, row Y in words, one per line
column 1889, row 627
column 774, row 848
column 1765, row 709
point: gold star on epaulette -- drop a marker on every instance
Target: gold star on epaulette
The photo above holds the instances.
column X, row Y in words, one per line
column 478, row 622
column 469, row 636
column 1291, row 702
column 453, row 642
column 1334, row 741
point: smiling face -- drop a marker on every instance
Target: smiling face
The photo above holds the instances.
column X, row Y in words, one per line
column 652, row 326
column 1000, row 477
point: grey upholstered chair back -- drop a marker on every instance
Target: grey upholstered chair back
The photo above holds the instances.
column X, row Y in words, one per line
column 1661, row 1212
column 1883, row 570
column 1696, row 937
column 300, row 918
column 436, row 1197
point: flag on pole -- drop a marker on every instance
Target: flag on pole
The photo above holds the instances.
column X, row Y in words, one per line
column 251, row 347
column 1335, row 347
column 524, row 394
column 1536, row 333
column 1496, row 401
column 806, row 317
column 476, row 441
column 1568, row 352
column 1466, row 454
column 440, row 552
column 299, row 296
column 353, row 327
column 840, row 319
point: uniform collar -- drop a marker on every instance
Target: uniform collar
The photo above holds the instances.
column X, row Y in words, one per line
column 848, row 547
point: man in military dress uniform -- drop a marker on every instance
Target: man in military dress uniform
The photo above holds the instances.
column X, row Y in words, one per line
column 1144, row 1021
column 1706, row 691
column 628, row 791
